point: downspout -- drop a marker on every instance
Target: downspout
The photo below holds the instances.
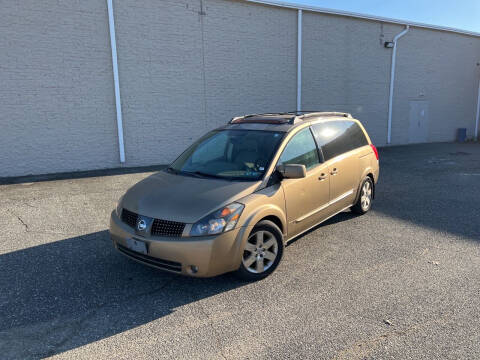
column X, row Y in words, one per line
column 118, row 104
column 299, row 61
column 478, row 113
column 392, row 81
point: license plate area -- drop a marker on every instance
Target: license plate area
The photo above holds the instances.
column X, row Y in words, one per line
column 137, row 246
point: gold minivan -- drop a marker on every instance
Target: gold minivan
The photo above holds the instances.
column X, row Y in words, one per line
column 233, row 199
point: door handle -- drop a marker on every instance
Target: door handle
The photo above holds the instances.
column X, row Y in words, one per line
column 334, row 171
column 322, row 176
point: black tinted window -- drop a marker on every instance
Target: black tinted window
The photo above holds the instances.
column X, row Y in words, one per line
column 338, row 137
column 301, row 149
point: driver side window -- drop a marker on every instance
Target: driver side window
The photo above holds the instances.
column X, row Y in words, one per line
column 301, row 150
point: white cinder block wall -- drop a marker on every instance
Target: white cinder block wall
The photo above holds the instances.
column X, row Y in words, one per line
column 57, row 106
column 347, row 68
column 188, row 66
column 441, row 68
column 186, row 69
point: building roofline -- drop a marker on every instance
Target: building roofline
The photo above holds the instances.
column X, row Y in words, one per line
column 286, row 4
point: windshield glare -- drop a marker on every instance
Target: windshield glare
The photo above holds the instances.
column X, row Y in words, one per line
column 230, row 154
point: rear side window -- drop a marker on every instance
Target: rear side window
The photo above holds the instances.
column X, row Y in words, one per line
column 301, row 149
column 338, row 137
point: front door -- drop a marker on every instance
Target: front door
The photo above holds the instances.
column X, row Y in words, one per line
column 306, row 199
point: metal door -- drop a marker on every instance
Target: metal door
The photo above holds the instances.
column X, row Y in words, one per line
column 418, row 121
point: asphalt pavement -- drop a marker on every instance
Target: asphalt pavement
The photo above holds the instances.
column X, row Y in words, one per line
column 401, row 282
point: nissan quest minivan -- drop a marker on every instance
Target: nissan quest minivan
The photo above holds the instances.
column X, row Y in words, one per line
column 233, row 199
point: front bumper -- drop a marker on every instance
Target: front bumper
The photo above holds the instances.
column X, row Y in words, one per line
column 211, row 255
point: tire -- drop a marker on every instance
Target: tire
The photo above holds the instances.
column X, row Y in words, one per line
column 364, row 202
column 262, row 253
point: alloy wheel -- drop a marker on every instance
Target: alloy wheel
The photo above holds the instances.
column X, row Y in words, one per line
column 260, row 252
column 366, row 196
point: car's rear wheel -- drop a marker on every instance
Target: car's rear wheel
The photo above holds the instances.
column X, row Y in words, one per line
column 364, row 202
column 262, row 253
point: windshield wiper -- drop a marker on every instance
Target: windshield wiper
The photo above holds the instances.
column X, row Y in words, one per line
column 202, row 174
column 172, row 170
column 229, row 178
column 198, row 174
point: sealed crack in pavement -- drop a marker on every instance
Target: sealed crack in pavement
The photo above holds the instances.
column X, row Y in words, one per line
column 19, row 219
column 28, row 230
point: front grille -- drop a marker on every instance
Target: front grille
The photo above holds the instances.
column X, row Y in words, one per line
column 159, row 227
column 159, row 263
column 167, row 228
column 129, row 218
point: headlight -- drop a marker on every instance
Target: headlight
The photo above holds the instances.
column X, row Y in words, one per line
column 219, row 221
column 119, row 207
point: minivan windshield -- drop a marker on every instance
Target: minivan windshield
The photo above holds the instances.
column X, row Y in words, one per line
column 229, row 154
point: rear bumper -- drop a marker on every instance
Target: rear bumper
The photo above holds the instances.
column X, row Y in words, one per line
column 211, row 255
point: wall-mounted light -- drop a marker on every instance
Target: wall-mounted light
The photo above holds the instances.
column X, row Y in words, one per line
column 389, row 44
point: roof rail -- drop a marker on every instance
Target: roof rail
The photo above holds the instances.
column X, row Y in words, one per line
column 245, row 117
column 296, row 115
column 324, row 113
column 237, row 118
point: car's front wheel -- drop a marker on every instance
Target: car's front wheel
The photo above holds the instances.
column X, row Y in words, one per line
column 263, row 251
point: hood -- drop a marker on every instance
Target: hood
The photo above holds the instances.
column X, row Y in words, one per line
column 183, row 198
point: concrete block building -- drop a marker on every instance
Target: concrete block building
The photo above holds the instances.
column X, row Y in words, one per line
column 188, row 66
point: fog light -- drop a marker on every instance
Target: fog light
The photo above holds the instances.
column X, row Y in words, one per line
column 193, row 269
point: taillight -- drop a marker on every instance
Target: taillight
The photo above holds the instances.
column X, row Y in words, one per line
column 374, row 150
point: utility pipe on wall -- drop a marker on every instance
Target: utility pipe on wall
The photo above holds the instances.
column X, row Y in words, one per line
column 299, row 61
column 392, row 81
column 478, row 113
column 118, row 104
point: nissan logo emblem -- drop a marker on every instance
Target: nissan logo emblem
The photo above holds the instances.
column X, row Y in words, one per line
column 142, row 225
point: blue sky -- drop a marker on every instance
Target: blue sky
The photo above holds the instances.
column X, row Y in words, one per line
column 460, row 14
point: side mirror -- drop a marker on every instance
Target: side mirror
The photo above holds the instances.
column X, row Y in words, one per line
column 292, row 171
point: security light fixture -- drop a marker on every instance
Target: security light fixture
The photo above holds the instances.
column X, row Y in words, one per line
column 389, row 44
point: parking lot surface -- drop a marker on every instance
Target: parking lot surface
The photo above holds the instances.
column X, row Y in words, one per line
column 401, row 282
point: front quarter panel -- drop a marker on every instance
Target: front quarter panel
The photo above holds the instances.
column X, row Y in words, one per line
column 266, row 202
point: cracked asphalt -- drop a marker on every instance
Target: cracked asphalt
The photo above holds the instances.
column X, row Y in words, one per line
column 401, row 282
